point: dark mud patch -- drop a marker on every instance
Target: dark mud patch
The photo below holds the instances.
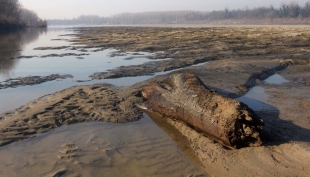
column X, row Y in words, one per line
column 59, row 39
column 51, row 48
column 31, row 80
column 50, row 55
column 149, row 68
column 64, row 55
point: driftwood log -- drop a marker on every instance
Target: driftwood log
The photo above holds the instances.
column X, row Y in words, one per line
column 186, row 98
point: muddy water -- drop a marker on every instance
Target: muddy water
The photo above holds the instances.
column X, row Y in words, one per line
column 133, row 149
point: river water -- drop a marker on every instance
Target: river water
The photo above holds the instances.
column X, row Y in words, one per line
column 23, row 43
column 134, row 149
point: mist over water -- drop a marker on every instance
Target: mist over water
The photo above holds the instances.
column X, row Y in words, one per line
column 59, row 9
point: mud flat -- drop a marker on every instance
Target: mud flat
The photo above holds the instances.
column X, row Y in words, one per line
column 240, row 58
column 188, row 46
column 31, row 80
column 49, row 55
column 78, row 104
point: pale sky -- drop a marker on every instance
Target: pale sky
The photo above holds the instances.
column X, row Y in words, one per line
column 59, row 9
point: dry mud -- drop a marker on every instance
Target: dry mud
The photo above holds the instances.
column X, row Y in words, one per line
column 240, row 58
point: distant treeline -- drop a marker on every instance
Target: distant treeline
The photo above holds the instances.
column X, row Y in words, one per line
column 286, row 11
column 13, row 15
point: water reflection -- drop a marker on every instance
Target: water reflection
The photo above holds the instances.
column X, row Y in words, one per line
column 11, row 45
column 276, row 79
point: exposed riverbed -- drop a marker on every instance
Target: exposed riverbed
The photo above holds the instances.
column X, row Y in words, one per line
column 237, row 62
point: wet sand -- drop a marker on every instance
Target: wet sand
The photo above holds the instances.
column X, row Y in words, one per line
column 286, row 149
column 31, row 80
column 241, row 58
column 135, row 149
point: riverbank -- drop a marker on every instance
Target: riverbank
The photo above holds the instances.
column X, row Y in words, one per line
column 239, row 59
column 6, row 26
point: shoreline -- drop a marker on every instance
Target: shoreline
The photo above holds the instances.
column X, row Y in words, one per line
column 10, row 27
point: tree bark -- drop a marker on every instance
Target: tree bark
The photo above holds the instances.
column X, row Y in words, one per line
column 185, row 97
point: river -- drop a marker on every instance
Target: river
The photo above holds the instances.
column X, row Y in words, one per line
column 23, row 42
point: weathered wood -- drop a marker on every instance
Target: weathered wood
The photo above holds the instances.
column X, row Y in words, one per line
column 185, row 97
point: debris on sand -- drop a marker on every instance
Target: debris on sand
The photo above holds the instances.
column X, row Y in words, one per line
column 185, row 97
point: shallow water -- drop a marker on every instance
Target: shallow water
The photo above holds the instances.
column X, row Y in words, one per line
column 134, row 149
column 22, row 43
column 275, row 79
column 80, row 67
column 257, row 97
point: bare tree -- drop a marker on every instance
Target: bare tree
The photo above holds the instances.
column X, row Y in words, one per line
column 10, row 8
column 305, row 11
column 294, row 10
column 13, row 15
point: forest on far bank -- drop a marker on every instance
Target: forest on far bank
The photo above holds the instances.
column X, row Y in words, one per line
column 286, row 13
column 13, row 15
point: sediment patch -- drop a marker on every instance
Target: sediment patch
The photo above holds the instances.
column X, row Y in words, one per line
column 149, row 68
column 50, row 55
column 31, row 80
column 51, row 48
column 101, row 102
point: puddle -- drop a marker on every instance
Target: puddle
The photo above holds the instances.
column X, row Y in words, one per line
column 91, row 149
column 276, row 79
column 255, row 99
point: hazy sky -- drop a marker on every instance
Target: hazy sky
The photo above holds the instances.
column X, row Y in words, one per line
column 50, row 9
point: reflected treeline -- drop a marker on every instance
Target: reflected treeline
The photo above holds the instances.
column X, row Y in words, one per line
column 12, row 44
